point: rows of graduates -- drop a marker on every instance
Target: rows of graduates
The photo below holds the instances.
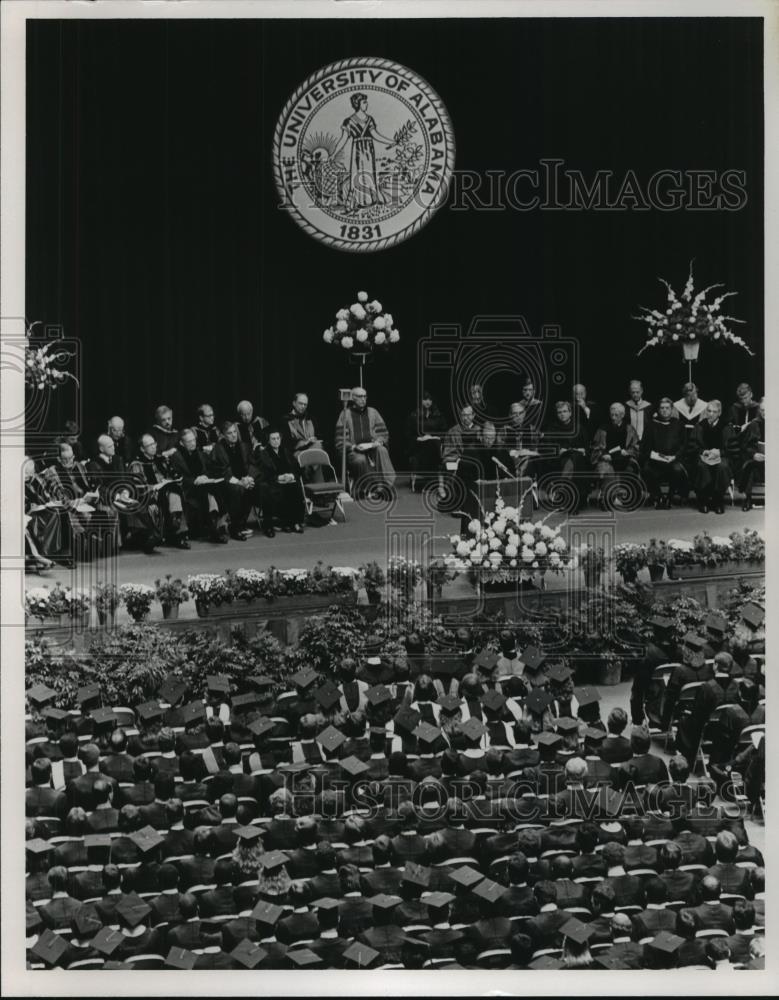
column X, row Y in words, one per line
column 445, row 808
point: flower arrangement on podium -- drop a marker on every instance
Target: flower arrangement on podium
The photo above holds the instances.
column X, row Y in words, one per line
column 689, row 319
column 501, row 549
column 362, row 327
column 41, row 362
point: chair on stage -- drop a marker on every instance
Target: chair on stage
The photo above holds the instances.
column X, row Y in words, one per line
column 325, row 494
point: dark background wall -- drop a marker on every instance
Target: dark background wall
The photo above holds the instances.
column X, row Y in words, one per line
column 154, row 236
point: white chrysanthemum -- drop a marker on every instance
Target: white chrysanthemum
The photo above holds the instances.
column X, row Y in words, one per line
column 554, row 559
column 513, row 563
column 546, row 531
column 357, row 311
column 495, row 544
column 362, row 336
column 500, row 526
column 388, row 319
column 719, row 540
column 527, row 554
column 475, row 557
column 347, row 342
column 379, row 323
column 362, row 296
column 510, row 513
column 327, row 336
column 528, row 538
column 376, row 306
column 380, row 338
column 559, row 544
column 535, row 564
column 496, row 558
column 342, row 326
column 474, row 526
column 540, row 549
column 454, row 539
column 463, row 549
column 527, row 526
column 394, row 337
column 511, row 551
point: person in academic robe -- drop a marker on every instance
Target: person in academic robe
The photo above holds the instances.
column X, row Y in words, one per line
column 281, row 495
column 124, row 445
column 205, row 429
column 361, row 431
column 534, row 407
column 232, row 461
column 568, row 434
column 202, row 498
column 661, row 451
column 745, row 409
column 252, row 430
column 614, row 449
column 43, row 524
column 425, row 429
column 589, row 413
column 299, row 434
column 160, row 498
column 117, row 507
column 68, row 484
column 164, row 433
column 690, row 408
column 753, row 452
column 520, row 440
column 713, row 474
column 462, row 458
column 638, row 409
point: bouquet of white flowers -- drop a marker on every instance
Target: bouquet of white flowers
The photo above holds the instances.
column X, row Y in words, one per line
column 501, row 548
column 37, row 602
column 40, row 362
column 362, row 327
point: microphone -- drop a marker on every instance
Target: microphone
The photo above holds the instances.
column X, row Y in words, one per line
column 500, row 465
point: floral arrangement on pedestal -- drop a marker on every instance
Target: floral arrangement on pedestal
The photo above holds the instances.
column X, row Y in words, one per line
column 137, row 598
column 503, row 549
column 362, row 327
column 40, row 362
column 689, row 319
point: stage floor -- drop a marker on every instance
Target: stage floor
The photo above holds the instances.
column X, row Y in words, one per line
column 364, row 537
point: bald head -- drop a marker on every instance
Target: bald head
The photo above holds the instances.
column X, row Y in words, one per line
column 576, row 770
column 105, row 445
column 621, row 925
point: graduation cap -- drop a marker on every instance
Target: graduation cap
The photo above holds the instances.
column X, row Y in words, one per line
column 438, row 900
column 449, row 703
column 406, row 719
column 586, row 695
column 181, row 958
column 148, row 711
column 98, row 847
column 445, row 666
column 327, row 695
column 248, row 954
column 326, row 903
column 493, row 700
column 132, row 910
column 538, row 700
column 271, row 860
column 378, row 694
column 39, row 694
column 305, row 678
column 248, row 835
column 218, row 684
column 260, row 681
column 54, row 717
column 426, row 733
column 753, row 615
column 577, row 931
column 194, row 711
column 267, row 913
column 486, row 661
column 49, row 947
column 665, row 943
column 353, row 766
column 88, row 694
column 661, row 623
column 694, row 642
column 331, row 738
column 38, row 846
column 382, row 901
column 533, row 658
column 360, row 955
column 466, row 876
column 261, row 726
column 560, row 673
column 565, row 724
column 243, row 702
column 474, row 728
column 146, row 839
column 416, row 874
column 544, row 963
column 86, row 922
column 716, row 623
column 489, row 891
column 592, row 735
column 302, row 958
column 172, row 689
column 104, row 718
column 551, row 741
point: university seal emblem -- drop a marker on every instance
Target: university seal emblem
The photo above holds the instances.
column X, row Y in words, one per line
column 362, row 154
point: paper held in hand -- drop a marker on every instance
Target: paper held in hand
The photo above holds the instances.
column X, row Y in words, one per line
column 657, row 457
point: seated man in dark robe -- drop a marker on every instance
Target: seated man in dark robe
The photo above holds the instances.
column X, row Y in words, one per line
column 360, row 431
column 160, row 497
column 753, row 455
column 745, row 409
column 69, row 486
column 134, row 524
column 124, row 445
column 232, row 460
column 713, row 473
column 520, row 440
column 614, row 450
column 201, row 493
column 589, row 413
column 43, row 531
column 205, row 428
column 661, row 452
column 461, row 459
column 280, row 489
column 252, row 430
column 164, row 433
column 300, row 435
column 571, row 441
column 534, row 408
column 425, row 429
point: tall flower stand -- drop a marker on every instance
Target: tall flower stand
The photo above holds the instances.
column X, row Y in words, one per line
column 360, row 358
column 691, row 350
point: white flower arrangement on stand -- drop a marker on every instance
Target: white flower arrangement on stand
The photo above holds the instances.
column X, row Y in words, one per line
column 362, row 329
